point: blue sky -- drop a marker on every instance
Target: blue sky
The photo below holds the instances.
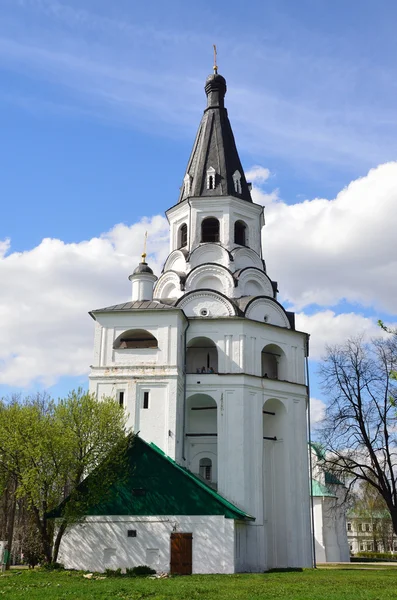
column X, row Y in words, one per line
column 99, row 105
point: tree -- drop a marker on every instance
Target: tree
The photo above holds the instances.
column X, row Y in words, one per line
column 47, row 449
column 359, row 429
column 370, row 505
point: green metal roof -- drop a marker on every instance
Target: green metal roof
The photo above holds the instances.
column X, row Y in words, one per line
column 331, row 479
column 157, row 485
column 318, row 489
column 319, row 450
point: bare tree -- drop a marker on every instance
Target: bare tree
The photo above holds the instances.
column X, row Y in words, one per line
column 360, row 427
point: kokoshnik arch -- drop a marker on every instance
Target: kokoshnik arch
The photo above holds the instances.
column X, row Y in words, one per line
column 211, row 370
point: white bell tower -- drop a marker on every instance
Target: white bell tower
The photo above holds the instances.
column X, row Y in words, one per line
column 212, row 369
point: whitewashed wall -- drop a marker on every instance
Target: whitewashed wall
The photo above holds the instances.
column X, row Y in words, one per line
column 102, row 542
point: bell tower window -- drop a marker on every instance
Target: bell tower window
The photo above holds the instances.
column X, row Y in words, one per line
column 210, row 230
column 240, row 233
column 182, row 236
column 211, row 178
column 237, row 182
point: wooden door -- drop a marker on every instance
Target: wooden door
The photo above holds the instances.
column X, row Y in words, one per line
column 181, row 553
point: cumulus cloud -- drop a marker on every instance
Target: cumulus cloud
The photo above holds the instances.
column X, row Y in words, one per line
column 326, row 328
column 257, row 174
column 317, row 410
column 322, row 251
column 45, row 330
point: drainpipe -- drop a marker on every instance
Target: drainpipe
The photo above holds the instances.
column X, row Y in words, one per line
column 184, row 393
column 310, row 456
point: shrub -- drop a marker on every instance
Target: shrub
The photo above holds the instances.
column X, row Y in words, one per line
column 53, row 566
column 113, row 573
column 378, row 555
column 139, row 571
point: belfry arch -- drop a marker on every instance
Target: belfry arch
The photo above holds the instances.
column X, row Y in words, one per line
column 210, row 230
column 201, row 356
column 274, row 419
column 201, row 436
column 273, row 362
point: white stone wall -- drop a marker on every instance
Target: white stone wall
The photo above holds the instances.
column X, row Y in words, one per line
column 101, row 542
column 158, row 371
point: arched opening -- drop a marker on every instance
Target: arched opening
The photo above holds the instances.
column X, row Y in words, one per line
column 273, row 362
column 201, row 356
column 210, row 230
column 274, row 486
column 240, row 231
column 205, row 468
column 201, row 436
column 182, row 236
column 135, row 338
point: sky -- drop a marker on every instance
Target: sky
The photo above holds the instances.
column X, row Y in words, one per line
column 99, row 105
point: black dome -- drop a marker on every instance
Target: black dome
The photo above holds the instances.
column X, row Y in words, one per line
column 143, row 268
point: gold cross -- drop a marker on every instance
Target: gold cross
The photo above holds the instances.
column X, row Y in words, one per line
column 144, row 248
column 215, row 56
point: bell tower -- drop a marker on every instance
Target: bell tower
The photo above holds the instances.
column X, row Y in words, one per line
column 211, row 366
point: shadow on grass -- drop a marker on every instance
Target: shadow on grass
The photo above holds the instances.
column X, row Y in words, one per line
column 285, row 570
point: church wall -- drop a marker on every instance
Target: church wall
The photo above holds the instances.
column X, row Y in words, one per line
column 136, row 371
column 102, row 543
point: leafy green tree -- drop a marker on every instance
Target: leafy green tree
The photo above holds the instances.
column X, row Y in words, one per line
column 49, row 447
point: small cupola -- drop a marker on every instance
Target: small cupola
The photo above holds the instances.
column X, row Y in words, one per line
column 143, row 280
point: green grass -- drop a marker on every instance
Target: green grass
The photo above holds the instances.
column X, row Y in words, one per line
column 321, row 584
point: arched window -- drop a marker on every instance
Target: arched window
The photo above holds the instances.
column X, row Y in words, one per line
column 135, row 338
column 201, row 356
column 182, row 242
column 237, row 182
column 205, row 468
column 210, row 230
column 211, row 178
column 240, row 230
column 273, row 362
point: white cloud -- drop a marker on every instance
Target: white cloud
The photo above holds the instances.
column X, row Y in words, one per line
column 322, row 251
column 327, row 328
column 45, row 329
column 317, row 410
column 257, row 174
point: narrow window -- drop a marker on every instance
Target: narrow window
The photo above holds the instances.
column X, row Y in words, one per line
column 237, row 182
column 349, row 527
column 183, row 236
column 145, row 399
column 205, row 468
column 210, row 230
column 240, row 233
column 211, row 174
column 121, row 398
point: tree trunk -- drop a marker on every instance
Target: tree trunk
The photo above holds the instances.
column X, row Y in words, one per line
column 61, row 531
column 393, row 514
column 11, row 521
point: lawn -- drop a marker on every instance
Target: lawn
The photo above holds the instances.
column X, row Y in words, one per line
column 322, row 584
column 335, row 584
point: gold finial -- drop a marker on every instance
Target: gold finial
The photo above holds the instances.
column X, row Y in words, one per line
column 144, row 248
column 215, row 67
